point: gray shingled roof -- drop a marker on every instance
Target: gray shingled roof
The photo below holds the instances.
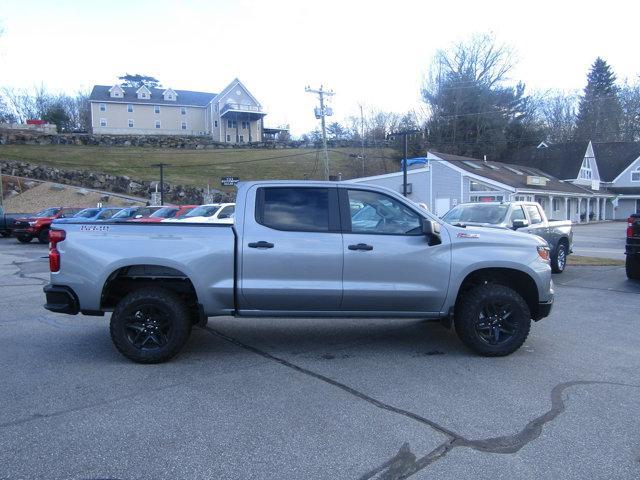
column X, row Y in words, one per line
column 100, row 93
column 498, row 172
column 564, row 159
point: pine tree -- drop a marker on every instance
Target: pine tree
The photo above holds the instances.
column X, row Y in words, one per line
column 600, row 112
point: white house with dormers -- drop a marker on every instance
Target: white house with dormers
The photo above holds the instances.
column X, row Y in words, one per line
column 611, row 169
column 232, row 116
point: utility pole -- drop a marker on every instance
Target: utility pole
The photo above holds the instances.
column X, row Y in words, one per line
column 320, row 114
column 161, row 165
column 405, row 134
column 362, row 136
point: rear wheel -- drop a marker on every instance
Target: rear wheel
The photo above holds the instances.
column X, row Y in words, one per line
column 492, row 320
column 43, row 236
column 150, row 325
column 559, row 258
column 24, row 238
column 632, row 265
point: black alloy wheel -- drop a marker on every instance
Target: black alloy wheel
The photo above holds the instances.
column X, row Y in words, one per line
column 147, row 327
column 150, row 325
column 492, row 319
column 496, row 323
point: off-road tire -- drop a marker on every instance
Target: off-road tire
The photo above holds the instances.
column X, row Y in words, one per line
column 632, row 266
column 176, row 311
column 559, row 258
column 43, row 236
column 468, row 311
column 24, row 238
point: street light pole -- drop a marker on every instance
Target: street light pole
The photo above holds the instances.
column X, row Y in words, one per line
column 405, row 134
column 161, row 165
column 1, row 191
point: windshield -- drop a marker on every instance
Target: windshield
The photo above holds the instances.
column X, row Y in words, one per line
column 492, row 214
column 125, row 213
column 203, row 211
column 107, row 213
column 166, row 212
column 184, row 212
column 49, row 212
column 87, row 213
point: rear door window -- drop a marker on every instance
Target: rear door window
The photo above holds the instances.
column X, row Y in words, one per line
column 534, row 214
column 306, row 209
column 517, row 214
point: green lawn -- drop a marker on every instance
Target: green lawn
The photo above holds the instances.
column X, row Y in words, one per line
column 199, row 167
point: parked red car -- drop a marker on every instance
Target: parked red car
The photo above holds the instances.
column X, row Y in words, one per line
column 164, row 213
column 37, row 226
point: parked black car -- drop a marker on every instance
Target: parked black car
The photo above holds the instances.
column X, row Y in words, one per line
column 632, row 248
column 7, row 221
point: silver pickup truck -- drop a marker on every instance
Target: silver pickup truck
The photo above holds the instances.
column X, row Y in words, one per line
column 301, row 249
column 526, row 217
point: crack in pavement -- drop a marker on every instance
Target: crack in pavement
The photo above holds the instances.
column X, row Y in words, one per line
column 57, row 413
column 405, row 463
column 20, row 273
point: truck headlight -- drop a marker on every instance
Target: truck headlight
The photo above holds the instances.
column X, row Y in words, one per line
column 544, row 252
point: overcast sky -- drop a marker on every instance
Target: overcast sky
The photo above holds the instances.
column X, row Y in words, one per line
column 370, row 52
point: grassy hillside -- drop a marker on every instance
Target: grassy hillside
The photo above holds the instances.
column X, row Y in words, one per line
column 197, row 167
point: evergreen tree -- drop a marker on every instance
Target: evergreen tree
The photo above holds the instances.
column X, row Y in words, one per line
column 600, row 112
column 136, row 80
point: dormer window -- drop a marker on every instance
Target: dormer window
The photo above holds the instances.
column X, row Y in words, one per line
column 116, row 92
column 143, row 93
column 169, row 95
column 635, row 175
column 586, row 171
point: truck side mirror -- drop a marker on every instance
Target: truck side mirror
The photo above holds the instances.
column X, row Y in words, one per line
column 520, row 223
column 431, row 230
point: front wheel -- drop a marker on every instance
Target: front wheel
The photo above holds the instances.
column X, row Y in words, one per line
column 43, row 236
column 632, row 266
column 150, row 325
column 559, row 259
column 24, row 238
column 492, row 320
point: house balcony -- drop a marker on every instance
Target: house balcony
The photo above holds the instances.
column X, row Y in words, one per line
column 243, row 109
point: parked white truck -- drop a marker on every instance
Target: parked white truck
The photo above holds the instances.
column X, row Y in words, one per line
column 526, row 217
column 303, row 249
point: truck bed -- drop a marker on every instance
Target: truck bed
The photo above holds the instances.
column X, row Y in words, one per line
column 204, row 253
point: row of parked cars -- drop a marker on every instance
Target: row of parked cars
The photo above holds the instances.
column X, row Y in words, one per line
column 26, row 227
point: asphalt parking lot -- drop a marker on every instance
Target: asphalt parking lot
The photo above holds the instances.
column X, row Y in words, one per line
column 330, row 398
column 604, row 240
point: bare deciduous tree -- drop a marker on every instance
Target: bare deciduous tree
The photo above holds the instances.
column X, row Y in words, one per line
column 630, row 101
column 557, row 112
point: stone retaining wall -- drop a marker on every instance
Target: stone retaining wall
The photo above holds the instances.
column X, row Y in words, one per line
column 26, row 137
column 178, row 194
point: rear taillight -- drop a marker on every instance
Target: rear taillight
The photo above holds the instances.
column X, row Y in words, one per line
column 55, row 237
column 630, row 221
